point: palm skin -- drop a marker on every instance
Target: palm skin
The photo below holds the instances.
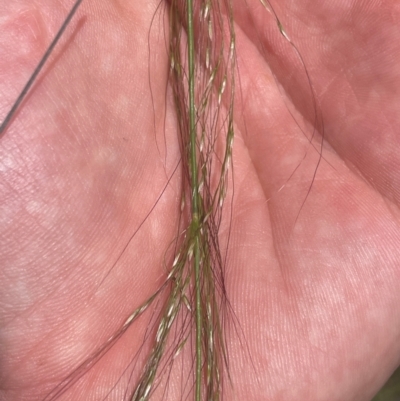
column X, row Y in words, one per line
column 315, row 286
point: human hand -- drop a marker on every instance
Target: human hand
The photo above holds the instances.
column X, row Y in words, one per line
column 314, row 286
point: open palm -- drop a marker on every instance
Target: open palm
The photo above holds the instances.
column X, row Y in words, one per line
column 89, row 208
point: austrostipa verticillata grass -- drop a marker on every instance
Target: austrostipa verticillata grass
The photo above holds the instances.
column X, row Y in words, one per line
column 145, row 256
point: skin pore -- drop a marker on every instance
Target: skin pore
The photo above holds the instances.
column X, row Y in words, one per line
column 315, row 287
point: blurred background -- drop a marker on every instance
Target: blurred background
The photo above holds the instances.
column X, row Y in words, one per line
column 391, row 390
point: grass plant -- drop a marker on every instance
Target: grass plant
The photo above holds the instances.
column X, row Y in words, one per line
column 203, row 77
column 195, row 282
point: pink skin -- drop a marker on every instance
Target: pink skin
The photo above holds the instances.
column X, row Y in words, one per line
column 316, row 289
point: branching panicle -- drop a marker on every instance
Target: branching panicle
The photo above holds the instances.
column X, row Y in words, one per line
column 202, row 56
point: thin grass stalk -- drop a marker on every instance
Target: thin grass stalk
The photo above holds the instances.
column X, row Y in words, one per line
column 195, row 200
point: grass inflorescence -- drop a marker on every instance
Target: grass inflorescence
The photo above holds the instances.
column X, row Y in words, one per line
column 202, row 69
column 202, row 56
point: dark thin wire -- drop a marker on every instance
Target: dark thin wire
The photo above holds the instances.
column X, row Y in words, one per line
column 39, row 67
